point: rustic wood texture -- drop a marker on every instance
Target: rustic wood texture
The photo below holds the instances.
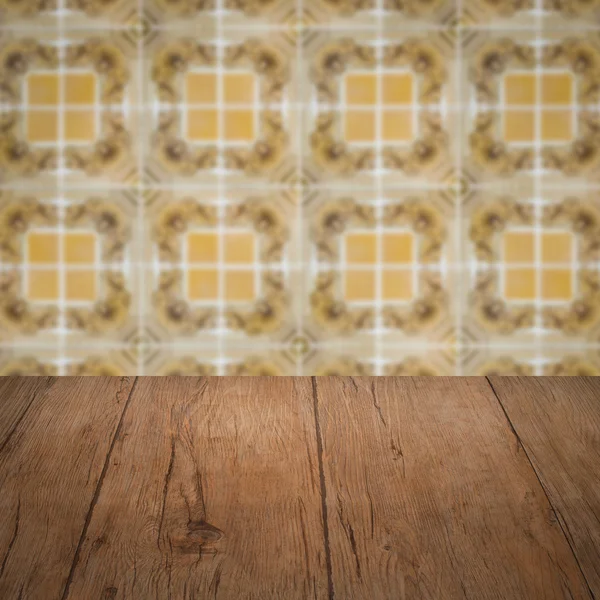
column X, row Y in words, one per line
column 213, row 492
column 51, row 464
column 292, row 488
column 16, row 397
column 429, row 495
column 558, row 422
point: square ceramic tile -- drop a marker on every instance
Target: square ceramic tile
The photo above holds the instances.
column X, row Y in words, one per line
column 68, row 265
column 378, row 108
column 69, row 108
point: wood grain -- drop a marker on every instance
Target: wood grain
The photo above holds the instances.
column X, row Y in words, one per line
column 558, row 422
column 213, row 492
column 50, row 468
column 429, row 495
column 16, row 397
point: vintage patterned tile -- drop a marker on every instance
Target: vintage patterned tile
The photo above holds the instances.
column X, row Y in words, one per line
column 67, row 266
column 531, row 107
column 68, row 110
column 220, row 265
column 378, row 265
column 378, row 109
column 533, row 268
column 221, row 112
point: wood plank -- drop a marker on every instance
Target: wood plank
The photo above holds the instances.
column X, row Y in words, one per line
column 213, row 491
column 16, row 397
column 49, row 472
column 558, row 422
column 430, row 496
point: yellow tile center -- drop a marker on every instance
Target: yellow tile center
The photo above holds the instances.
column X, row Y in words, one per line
column 550, row 97
column 44, row 251
column 43, row 103
column 362, row 254
column 238, row 255
column 221, row 110
column 521, row 282
column 366, row 94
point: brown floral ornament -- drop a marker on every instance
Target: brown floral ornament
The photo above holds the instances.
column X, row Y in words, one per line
column 332, row 220
column 339, row 158
column 266, row 315
column 181, row 158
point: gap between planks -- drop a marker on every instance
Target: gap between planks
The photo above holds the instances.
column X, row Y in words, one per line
column 542, row 486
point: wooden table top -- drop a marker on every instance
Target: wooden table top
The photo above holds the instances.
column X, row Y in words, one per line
column 285, row 488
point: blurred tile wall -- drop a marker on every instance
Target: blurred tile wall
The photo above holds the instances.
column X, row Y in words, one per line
column 300, row 187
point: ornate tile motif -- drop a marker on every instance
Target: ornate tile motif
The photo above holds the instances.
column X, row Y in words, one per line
column 66, row 268
column 300, row 187
column 533, row 108
column 220, row 267
column 221, row 111
column 378, row 110
column 68, row 110
column 379, row 266
column 534, row 276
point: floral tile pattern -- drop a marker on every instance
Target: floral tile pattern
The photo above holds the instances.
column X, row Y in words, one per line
column 300, row 187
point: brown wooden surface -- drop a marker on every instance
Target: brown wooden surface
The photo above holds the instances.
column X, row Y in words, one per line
column 213, row 492
column 50, row 469
column 558, row 422
column 192, row 488
column 429, row 496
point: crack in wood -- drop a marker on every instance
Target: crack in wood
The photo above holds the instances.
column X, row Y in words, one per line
column 330, row 589
column 95, row 497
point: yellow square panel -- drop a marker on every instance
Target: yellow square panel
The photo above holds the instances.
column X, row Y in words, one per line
column 238, row 88
column 201, row 88
column 80, row 286
column 42, row 88
column 397, row 285
column 361, row 88
column 239, row 286
column 557, row 126
column 519, row 247
column 239, row 248
column 80, row 248
column 520, row 88
column 203, row 247
column 557, row 284
column 360, row 286
column 397, row 88
column 239, row 125
column 42, row 126
column 557, row 247
column 80, row 126
column 520, row 284
column 397, row 126
column 519, row 126
column 360, row 126
column 203, row 284
column 398, row 247
column 80, row 88
column 202, row 125
column 557, row 88
column 42, row 285
column 42, row 248
column 361, row 248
